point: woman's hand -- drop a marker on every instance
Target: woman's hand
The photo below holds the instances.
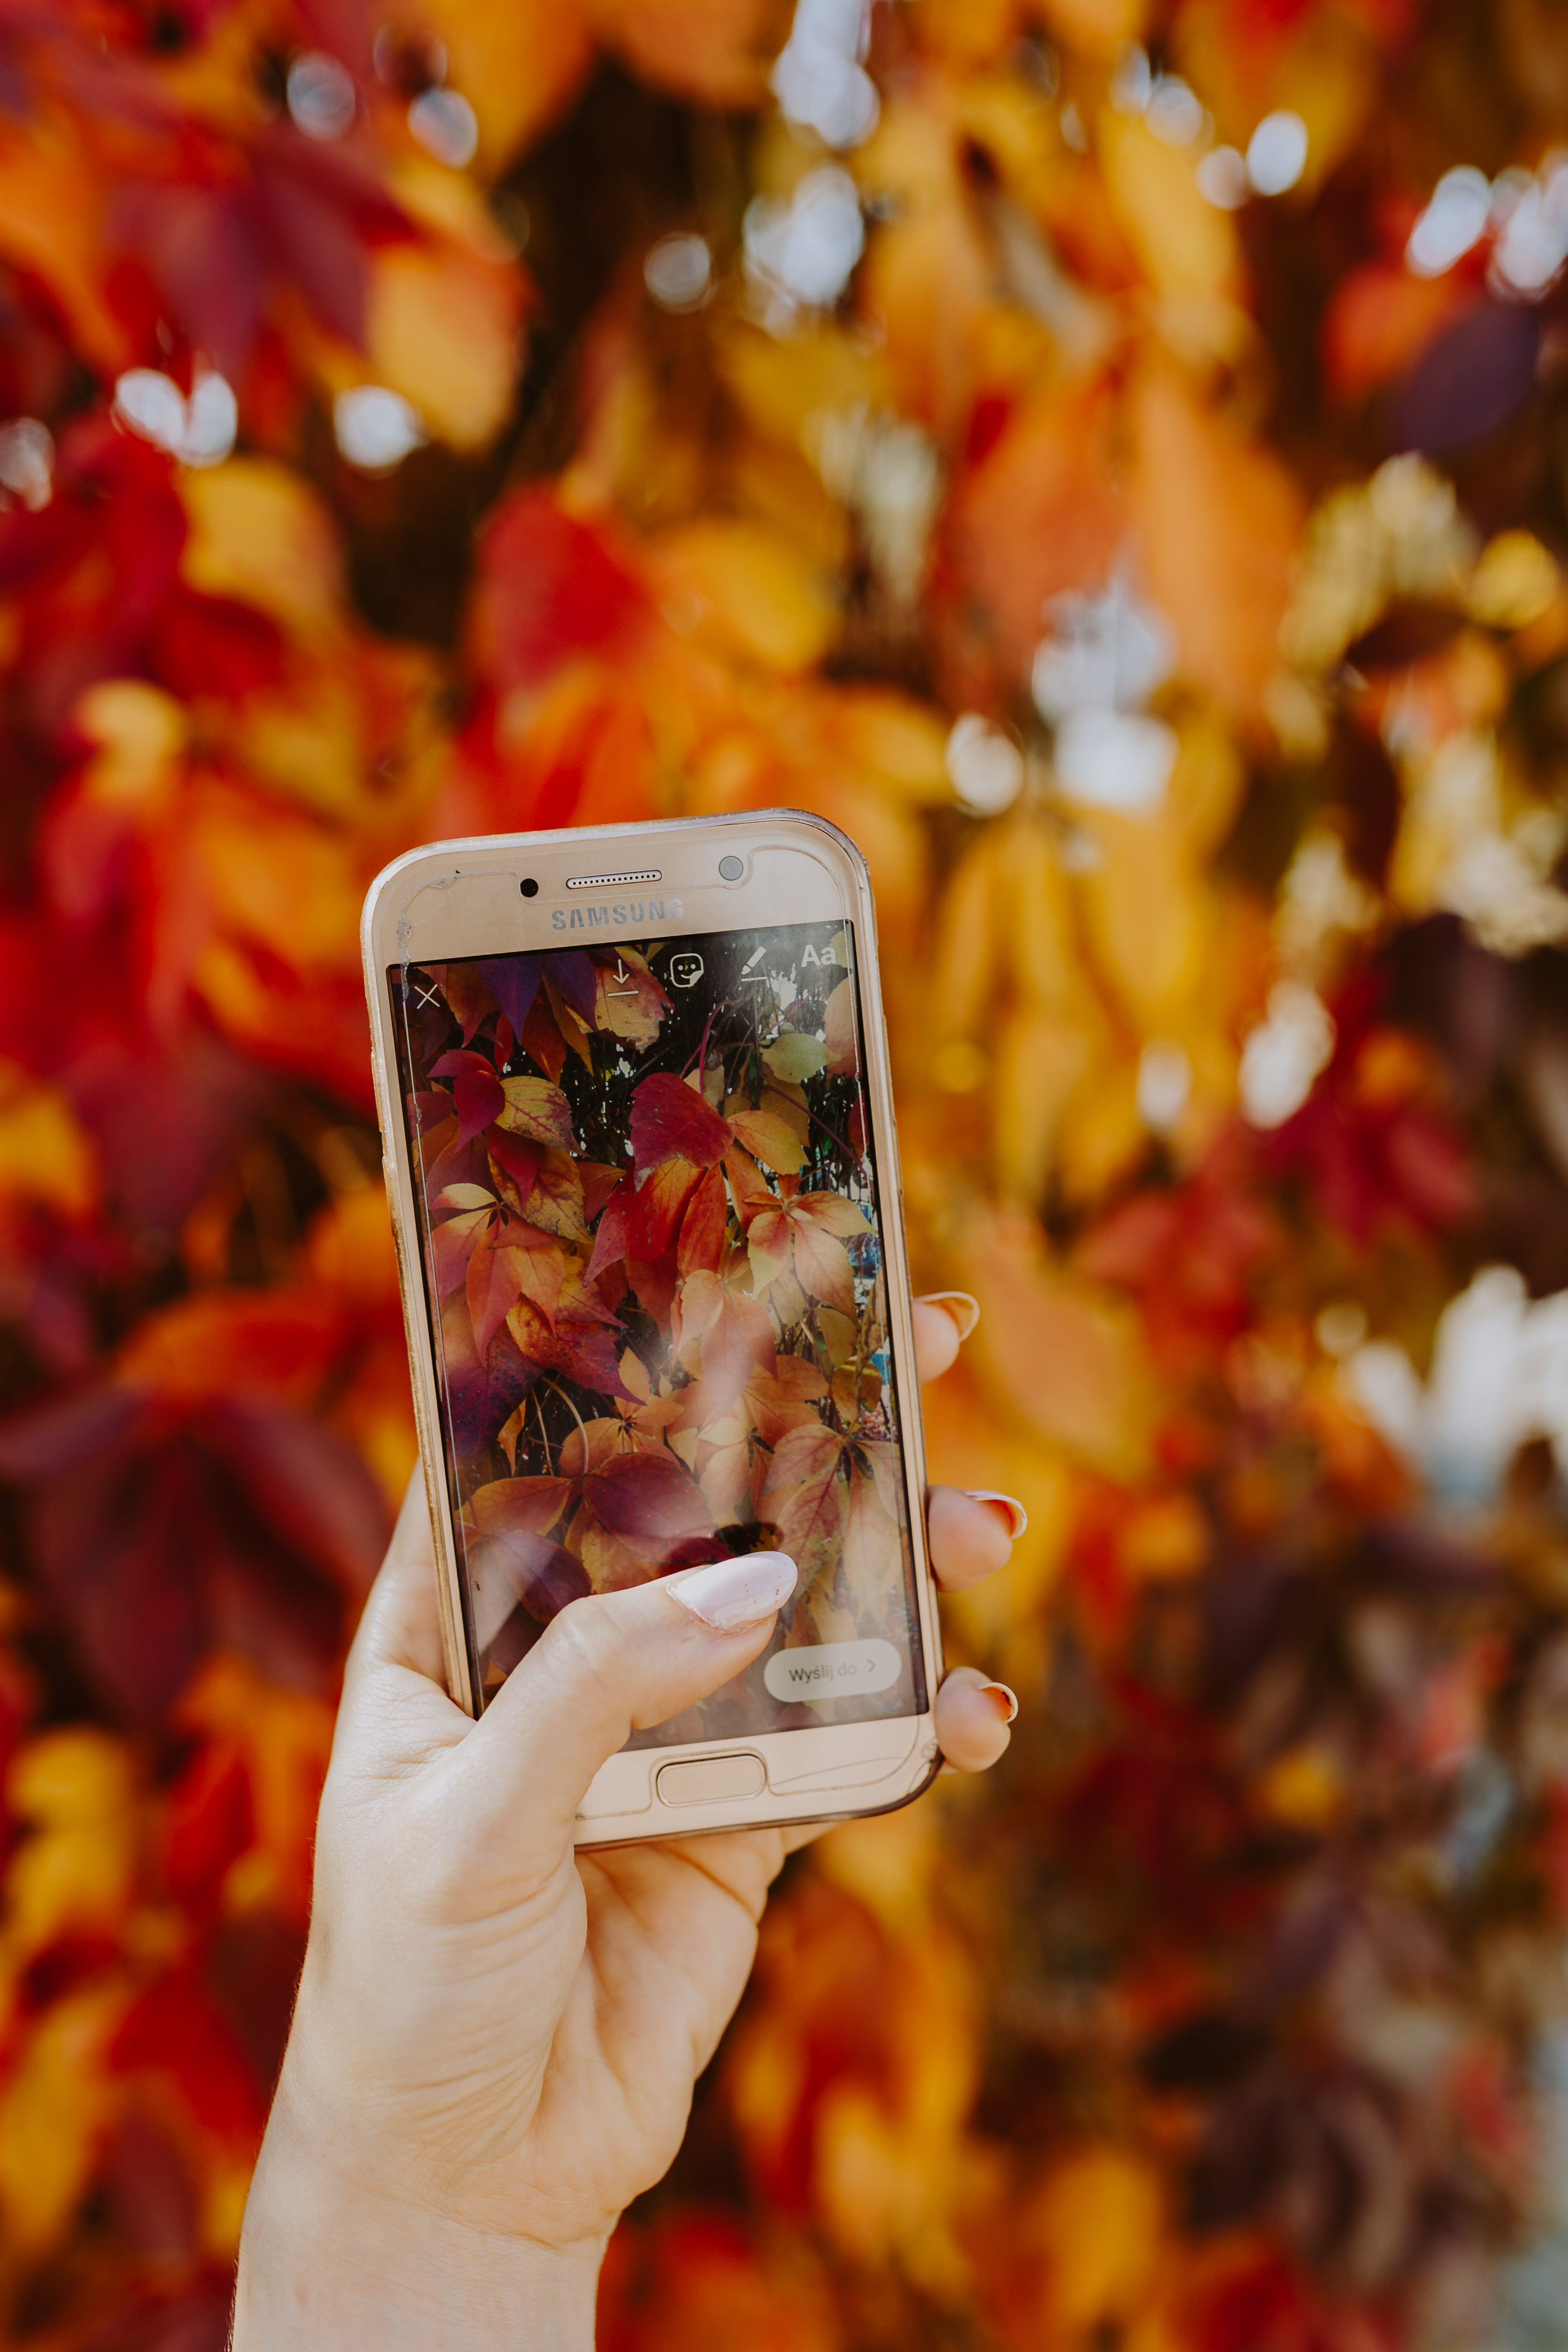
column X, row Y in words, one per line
column 496, row 2038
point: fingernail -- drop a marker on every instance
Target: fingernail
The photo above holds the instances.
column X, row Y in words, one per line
column 733, row 1594
column 1010, row 1504
column 1004, row 1700
column 964, row 1310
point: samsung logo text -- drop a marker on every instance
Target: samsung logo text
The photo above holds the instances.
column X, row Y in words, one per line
column 617, row 916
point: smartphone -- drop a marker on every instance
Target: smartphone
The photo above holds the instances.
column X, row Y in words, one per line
column 644, row 1183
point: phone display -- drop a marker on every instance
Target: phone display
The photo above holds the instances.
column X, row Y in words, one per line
column 651, row 1239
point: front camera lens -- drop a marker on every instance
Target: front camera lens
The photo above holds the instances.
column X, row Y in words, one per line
column 530, row 888
column 732, row 868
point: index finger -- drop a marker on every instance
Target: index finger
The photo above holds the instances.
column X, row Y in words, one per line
column 944, row 1320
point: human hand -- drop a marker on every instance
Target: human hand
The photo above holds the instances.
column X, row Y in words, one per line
column 496, row 2038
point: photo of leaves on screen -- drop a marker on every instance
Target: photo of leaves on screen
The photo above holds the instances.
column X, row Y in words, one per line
column 654, row 1271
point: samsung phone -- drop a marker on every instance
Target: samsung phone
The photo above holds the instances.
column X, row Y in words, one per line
column 644, row 1183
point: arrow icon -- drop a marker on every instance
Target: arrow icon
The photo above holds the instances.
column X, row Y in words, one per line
column 621, row 973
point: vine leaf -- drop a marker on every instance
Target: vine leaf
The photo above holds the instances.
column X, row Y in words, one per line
column 804, row 1494
column 671, row 1120
column 476, row 1094
column 802, row 1236
column 537, row 1110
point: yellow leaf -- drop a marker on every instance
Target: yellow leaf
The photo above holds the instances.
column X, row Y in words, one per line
column 276, row 878
column 927, row 281
column 1187, row 246
column 1050, row 1353
column 44, row 1154
column 517, row 62
column 77, row 1868
column 443, row 329
column 794, row 1058
column 968, row 34
column 308, row 737
column 1305, row 1789
column 767, row 1139
column 53, row 2110
column 1040, row 1057
column 1102, row 1132
column 375, row 1413
column 1166, row 1536
column 889, row 1865
column 1515, row 582
column 139, row 733
column 69, row 1776
column 258, row 532
column 890, row 740
column 349, row 1248
column 1096, row 27
column 745, row 590
column 781, row 385
column 1148, row 913
column 716, row 51
column 1324, row 63
column 1004, row 1620
column 1101, row 2218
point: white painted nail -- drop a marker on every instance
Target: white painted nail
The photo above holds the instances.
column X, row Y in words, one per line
column 1004, row 1700
column 964, row 1309
column 734, row 1593
column 1010, row 1504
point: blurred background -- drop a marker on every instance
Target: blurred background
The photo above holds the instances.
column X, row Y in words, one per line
column 1111, row 457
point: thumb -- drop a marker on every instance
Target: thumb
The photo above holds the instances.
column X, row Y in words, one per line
column 607, row 1666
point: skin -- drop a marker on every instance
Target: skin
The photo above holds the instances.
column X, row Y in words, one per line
column 496, row 2039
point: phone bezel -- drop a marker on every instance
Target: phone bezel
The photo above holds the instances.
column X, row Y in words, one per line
column 462, row 897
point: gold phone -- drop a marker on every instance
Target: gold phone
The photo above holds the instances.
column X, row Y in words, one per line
column 644, row 1181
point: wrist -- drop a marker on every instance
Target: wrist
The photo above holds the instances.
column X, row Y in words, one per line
column 326, row 2263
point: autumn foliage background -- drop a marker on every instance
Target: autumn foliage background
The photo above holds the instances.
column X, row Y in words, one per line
column 1091, row 451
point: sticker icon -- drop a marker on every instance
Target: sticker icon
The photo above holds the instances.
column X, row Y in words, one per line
column 686, row 971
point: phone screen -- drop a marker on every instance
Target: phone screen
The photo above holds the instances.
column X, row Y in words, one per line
column 651, row 1230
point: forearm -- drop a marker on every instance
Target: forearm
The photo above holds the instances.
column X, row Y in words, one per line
column 322, row 2268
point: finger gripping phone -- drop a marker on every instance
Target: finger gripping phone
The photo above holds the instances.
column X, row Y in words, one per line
column 643, row 1176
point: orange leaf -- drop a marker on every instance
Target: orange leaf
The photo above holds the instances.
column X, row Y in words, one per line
column 1219, row 522
column 767, row 1139
column 715, row 51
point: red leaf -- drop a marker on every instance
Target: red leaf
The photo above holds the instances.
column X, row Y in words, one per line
column 647, row 1498
column 612, row 1243
column 703, row 1227
column 657, row 1208
column 209, row 1826
column 670, row 1120
column 598, row 1183
column 491, row 1287
column 550, row 587
column 175, row 2030
column 584, row 1351
column 477, row 1092
column 213, row 647
column 516, row 1163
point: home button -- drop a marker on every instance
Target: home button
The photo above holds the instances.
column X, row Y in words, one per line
column 709, row 1780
